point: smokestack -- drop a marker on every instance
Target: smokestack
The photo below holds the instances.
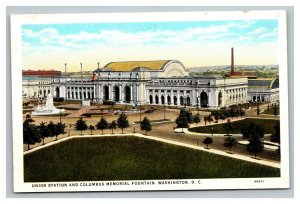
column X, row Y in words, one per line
column 232, row 61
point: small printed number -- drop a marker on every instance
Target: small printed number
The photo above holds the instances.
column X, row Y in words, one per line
column 258, row 181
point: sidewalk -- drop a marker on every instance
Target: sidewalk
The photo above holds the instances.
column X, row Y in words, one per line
column 78, row 113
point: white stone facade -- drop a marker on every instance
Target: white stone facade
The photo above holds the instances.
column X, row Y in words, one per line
column 34, row 87
column 171, row 85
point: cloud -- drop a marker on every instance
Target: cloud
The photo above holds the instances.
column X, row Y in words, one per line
column 257, row 31
column 52, row 37
column 271, row 34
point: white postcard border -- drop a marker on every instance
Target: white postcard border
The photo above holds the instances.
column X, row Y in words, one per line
column 240, row 183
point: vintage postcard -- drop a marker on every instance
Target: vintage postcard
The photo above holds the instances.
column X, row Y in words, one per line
column 150, row 101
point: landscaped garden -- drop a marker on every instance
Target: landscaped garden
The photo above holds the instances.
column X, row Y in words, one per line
column 132, row 158
column 267, row 124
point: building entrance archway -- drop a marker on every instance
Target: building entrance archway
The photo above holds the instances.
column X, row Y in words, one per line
column 220, row 99
column 127, row 93
column 203, row 99
column 116, row 93
column 105, row 93
column 57, row 92
column 150, row 99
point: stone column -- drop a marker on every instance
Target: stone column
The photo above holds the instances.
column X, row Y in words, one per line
column 100, row 92
column 131, row 92
column 109, row 90
column 138, row 94
column 159, row 97
column 172, row 98
column 120, row 93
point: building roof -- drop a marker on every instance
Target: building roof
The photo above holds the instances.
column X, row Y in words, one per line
column 264, row 83
column 129, row 65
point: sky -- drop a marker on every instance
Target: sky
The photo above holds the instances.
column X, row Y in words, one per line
column 194, row 43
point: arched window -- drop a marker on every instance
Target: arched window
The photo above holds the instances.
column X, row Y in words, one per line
column 169, row 100
column 175, row 100
column 188, row 101
column 220, row 99
column 150, row 99
column 116, row 93
column 127, row 94
column 203, row 99
column 105, row 93
column 156, row 99
column 162, row 99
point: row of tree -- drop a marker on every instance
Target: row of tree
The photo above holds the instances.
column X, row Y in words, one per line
column 253, row 132
column 122, row 123
column 235, row 111
column 36, row 133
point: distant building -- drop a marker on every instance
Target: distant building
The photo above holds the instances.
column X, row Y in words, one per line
column 41, row 73
column 233, row 73
column 37, row 83
column 35, row 87
column 263, row 90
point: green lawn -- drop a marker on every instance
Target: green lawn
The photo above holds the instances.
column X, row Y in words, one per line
column 131, row 158
column 271, row 111
column 237, row 126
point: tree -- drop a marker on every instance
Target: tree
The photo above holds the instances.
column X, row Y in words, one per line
column 146, row 125
column 275, row 137
column 91, row 128
column 59, row 129
column 257, row 110
column 217, row 118
column 30, row 132
column 112, row 126
column 102, row 124
column 229, row 142
column 210, row 119
column 207, row 141
column 205, row 119
column 242, row 113
column 228, row 127
column 51, row 128
column 44, row 131
column 197, row 119
column 182, row 121
column 255, row 146
column 275, row 110
column 222, row 116
column 189, row 116
column 80, row 125
column 253, row 130
column 122, row 121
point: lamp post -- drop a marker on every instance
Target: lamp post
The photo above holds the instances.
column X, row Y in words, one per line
column 198, row 105
column 60, row 117
column 81, row 83
column 66, row 89
column 164, row 111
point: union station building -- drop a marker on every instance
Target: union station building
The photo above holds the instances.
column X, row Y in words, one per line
column 162, row 82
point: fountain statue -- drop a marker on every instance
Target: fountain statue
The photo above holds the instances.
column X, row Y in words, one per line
column 48, row 109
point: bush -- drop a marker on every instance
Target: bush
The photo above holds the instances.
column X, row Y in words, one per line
column 58, row 99
column 109, row 102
